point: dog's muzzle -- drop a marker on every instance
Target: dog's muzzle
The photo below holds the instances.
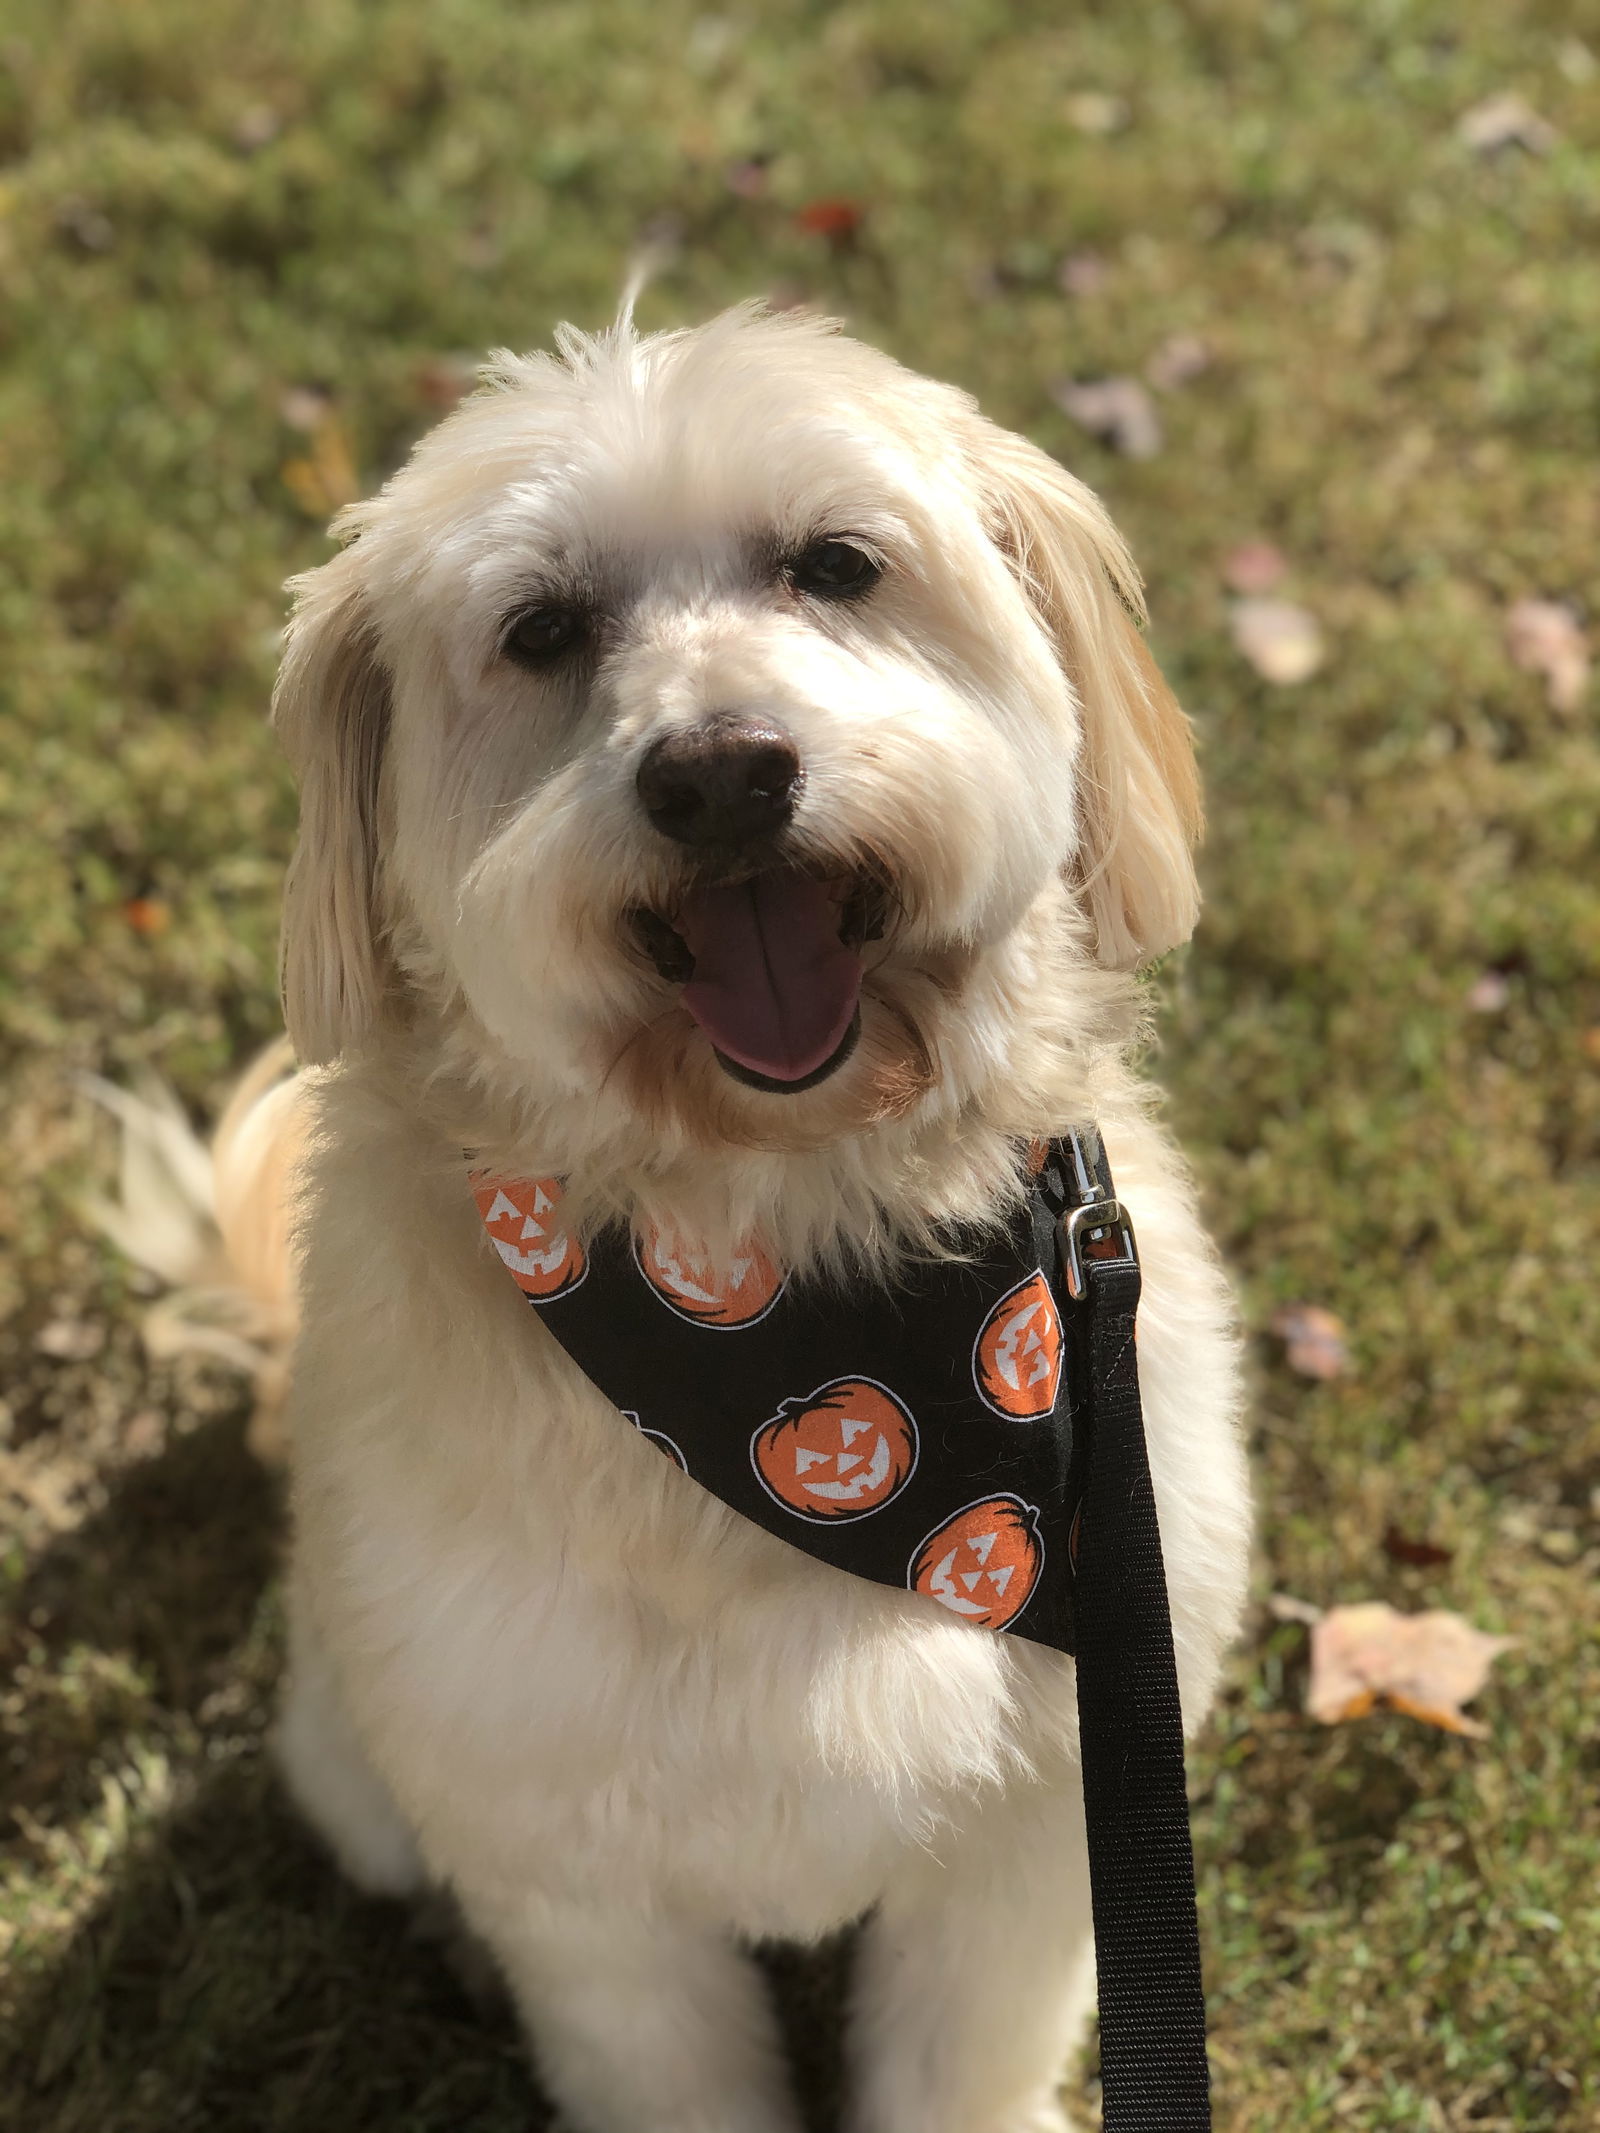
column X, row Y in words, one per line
column 767, row 950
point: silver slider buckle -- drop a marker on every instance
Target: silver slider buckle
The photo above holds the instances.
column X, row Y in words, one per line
column 1081, row 1226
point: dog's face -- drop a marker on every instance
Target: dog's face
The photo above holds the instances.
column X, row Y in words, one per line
column 701, row 718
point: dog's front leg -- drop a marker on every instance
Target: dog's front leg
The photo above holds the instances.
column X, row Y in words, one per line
column 975, row 1977
column 640, row 2023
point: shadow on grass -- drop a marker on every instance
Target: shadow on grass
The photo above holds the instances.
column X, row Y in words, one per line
column 227, row 1978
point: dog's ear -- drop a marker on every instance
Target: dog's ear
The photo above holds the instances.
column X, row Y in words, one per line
column 331, row 710
column 1140, row 786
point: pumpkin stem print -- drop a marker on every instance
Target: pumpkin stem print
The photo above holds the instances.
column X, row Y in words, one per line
column 841, row 1452
column 983, row 1563
column 658, row 1437
column 1016, row 1359
column 686, row 1283
column 522, row 1216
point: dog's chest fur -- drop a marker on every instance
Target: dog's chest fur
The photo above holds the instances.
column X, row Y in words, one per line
column 570, row 1659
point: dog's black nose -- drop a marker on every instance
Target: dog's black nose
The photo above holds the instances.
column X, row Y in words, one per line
column 731, row 782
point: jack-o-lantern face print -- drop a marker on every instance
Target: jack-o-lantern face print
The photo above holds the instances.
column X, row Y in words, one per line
column 839, row 1453
column 687, row 1284
column 984, row 1563
column 523, row 1218
column 1016, row 1360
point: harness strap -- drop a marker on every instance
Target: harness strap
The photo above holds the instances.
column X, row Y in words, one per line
column 1153, row 2070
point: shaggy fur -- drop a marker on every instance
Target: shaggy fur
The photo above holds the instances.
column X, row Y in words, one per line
column 530, row 1658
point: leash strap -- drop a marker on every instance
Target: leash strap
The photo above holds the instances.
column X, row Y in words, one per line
column 1153, row 2071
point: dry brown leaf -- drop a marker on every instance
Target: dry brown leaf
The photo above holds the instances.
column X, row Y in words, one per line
column 1314, row 1340
column 1254, row 567
column 70, row 1340
column 1119, row 410
column 1427, row 1665
column 1545, row 637
column 1180, row 358
column 443, row 380
column 256, row 127
column 1281, row 641
column 305, row 407
column 746, row 178
column 1082, row 274
column 1416, row 1554
column 324, row 481
column 1505, row 121
column 1092, row 111
column 1284, row 1607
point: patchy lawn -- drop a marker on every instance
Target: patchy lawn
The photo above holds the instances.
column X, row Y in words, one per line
column 241, row 253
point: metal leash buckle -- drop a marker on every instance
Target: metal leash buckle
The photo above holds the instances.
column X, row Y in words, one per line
column 1081, row 1229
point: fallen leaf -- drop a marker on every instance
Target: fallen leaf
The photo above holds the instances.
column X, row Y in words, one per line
column 70, row 1340
column 1254, row 567
column 1505, row 121
column 1284, row 1607
column 1082, row 274
column 838, row 220
column 1417, row 1554
column 1092, row 111
column 305, row 407
column 89, row 228
column 1589, row 1043
column 1180, row 358
column 1545, row 637
column 747, row 177
column 144, row 1434
column 256, row 128
column 324, row 481
column 1119, row 410
column 1489, row 993
column 1314, row 1340
column 1427, row 1665
column 1281, row 641
column 147, row 915
column 444, row 380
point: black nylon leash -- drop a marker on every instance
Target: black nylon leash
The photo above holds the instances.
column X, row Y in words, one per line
column 1153, row 2071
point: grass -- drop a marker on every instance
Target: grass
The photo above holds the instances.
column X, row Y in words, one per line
column 240, row 250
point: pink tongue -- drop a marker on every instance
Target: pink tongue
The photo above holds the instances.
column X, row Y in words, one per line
column 774, row 986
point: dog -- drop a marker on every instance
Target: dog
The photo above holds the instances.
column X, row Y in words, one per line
column 652, row 634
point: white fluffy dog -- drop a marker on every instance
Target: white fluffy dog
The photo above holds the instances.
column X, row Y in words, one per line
column 750, row 605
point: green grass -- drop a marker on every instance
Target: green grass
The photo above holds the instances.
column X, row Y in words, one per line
column 203, row 209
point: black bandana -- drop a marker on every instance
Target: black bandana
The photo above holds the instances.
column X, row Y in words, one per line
column 920, row 1435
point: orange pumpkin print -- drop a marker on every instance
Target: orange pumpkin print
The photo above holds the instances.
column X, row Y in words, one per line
column 843, row 1451
column 523, row 1218
column 657, row 1437
column 686, row 1283
column 984, row 1563
column 1016, row 1359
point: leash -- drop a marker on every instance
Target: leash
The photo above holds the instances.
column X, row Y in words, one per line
column 977, row 1438
column 1153, row 2071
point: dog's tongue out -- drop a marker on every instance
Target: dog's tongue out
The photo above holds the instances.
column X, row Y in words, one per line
column 774, row 987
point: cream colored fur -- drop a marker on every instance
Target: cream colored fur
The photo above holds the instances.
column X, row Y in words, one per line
column 530, row 1658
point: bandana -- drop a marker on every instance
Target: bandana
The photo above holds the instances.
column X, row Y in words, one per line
column 949, row 1434
column 919, row 1434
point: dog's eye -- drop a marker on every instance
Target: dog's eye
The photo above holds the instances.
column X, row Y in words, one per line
column 543, row 633
column 834, row 570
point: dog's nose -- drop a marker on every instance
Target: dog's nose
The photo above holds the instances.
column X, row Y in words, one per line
column 730, row 781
